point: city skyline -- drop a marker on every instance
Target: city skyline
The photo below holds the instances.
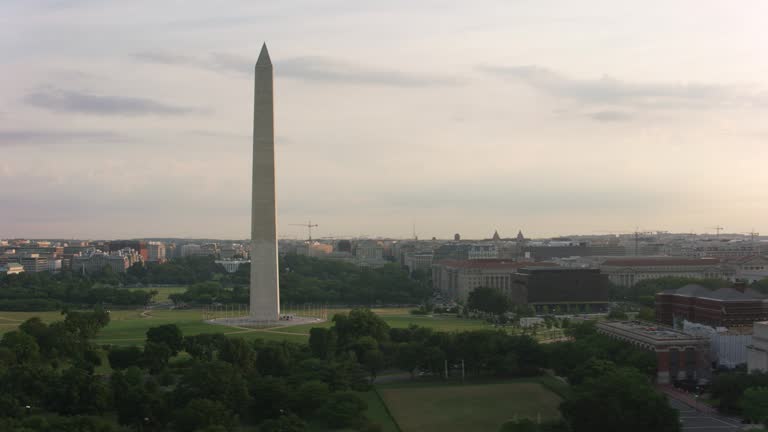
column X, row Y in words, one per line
column 456, row 119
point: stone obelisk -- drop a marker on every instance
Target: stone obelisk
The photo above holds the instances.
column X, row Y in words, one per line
column 265, row 287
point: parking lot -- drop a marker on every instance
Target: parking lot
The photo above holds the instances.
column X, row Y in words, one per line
column 694, row 420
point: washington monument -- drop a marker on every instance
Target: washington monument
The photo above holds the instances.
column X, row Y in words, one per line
column 265, row 287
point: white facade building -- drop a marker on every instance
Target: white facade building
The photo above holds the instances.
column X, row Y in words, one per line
column 483, row 251
column 757, row 352
column 749, row 269
column 231, row 266
column 11, row 268
column 191, row 249
column 629, row 271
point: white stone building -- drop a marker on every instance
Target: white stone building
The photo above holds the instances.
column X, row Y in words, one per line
column 96, row 260
column 749, row 269
column 11, row 268
column 231, row 266
column 191, row 249
column 455, row 279
column 757, row 352
column 631, row 270
column 483, row 251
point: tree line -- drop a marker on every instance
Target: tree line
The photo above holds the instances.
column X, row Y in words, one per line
column 45, row 291
column 313, row 280
column 49, row 377
column 302, row 280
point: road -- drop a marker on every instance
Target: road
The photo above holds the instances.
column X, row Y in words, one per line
column 698, row 420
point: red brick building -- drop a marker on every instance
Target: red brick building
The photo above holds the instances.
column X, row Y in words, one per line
column 724, row 307
column 679, row 356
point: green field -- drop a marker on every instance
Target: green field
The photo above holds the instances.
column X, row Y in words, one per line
column 163, row 293
column 449, row 407
column 128, row 327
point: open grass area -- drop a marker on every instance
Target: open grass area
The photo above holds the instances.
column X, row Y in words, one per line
column 128, row 327
column 449, row 407
column 400, row 318
column 163, row 292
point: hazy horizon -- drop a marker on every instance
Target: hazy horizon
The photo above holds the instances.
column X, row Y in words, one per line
column 133, row 119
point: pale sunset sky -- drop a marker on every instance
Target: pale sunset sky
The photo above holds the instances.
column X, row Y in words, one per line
column 123, row 119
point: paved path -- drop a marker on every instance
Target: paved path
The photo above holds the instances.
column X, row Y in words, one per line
column 699, row 417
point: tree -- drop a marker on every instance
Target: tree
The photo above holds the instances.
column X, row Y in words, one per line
column 168, row 334
column 619, row 400
column 285, row 423
column 309, row 397
column 359, row 323
column 488, row 300
column 85, row 325
column 22, row 345
column 79, row 392
column 646, row 314
column 581, row 330
column 202, row 413
column 138, row 404
column 409, row 356
column 322, row 342
column 218, row 381
column 373, row 361
column 125, row 357
column 755, row 404
column 203, row 346
column 270, row 396
column 156, row 356
column 522, row 425
column 344, row 409
column 616, row 314
column 238, row 352
column 592, row 369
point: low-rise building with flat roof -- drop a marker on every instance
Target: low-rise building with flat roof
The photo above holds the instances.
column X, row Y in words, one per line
column 725, row 307
column 631, row 270
column 679, row 355
column 455, row 279
column 551, row 289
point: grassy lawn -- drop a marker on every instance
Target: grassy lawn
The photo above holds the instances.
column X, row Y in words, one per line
column 448, row 407
column 400, row 318
column 128, row 327
column 162, row 292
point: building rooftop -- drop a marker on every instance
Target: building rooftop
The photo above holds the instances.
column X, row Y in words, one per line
column 554, row 268
column 493, row 264
column 659, row 261
column 650, row 331
column 693, row 290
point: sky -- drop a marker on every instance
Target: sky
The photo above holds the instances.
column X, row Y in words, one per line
column 134, row 119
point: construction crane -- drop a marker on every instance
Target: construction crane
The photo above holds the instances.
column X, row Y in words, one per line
column 752, row 235
column 637, row 234
column 309, row 226
column 717, row 229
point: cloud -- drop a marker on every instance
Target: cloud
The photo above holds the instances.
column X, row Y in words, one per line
column 311, row 68
column 54, row 99
column 611, row 116
column 163, row 58
column 611, row 91
column 25, row 136
column 325, row 69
